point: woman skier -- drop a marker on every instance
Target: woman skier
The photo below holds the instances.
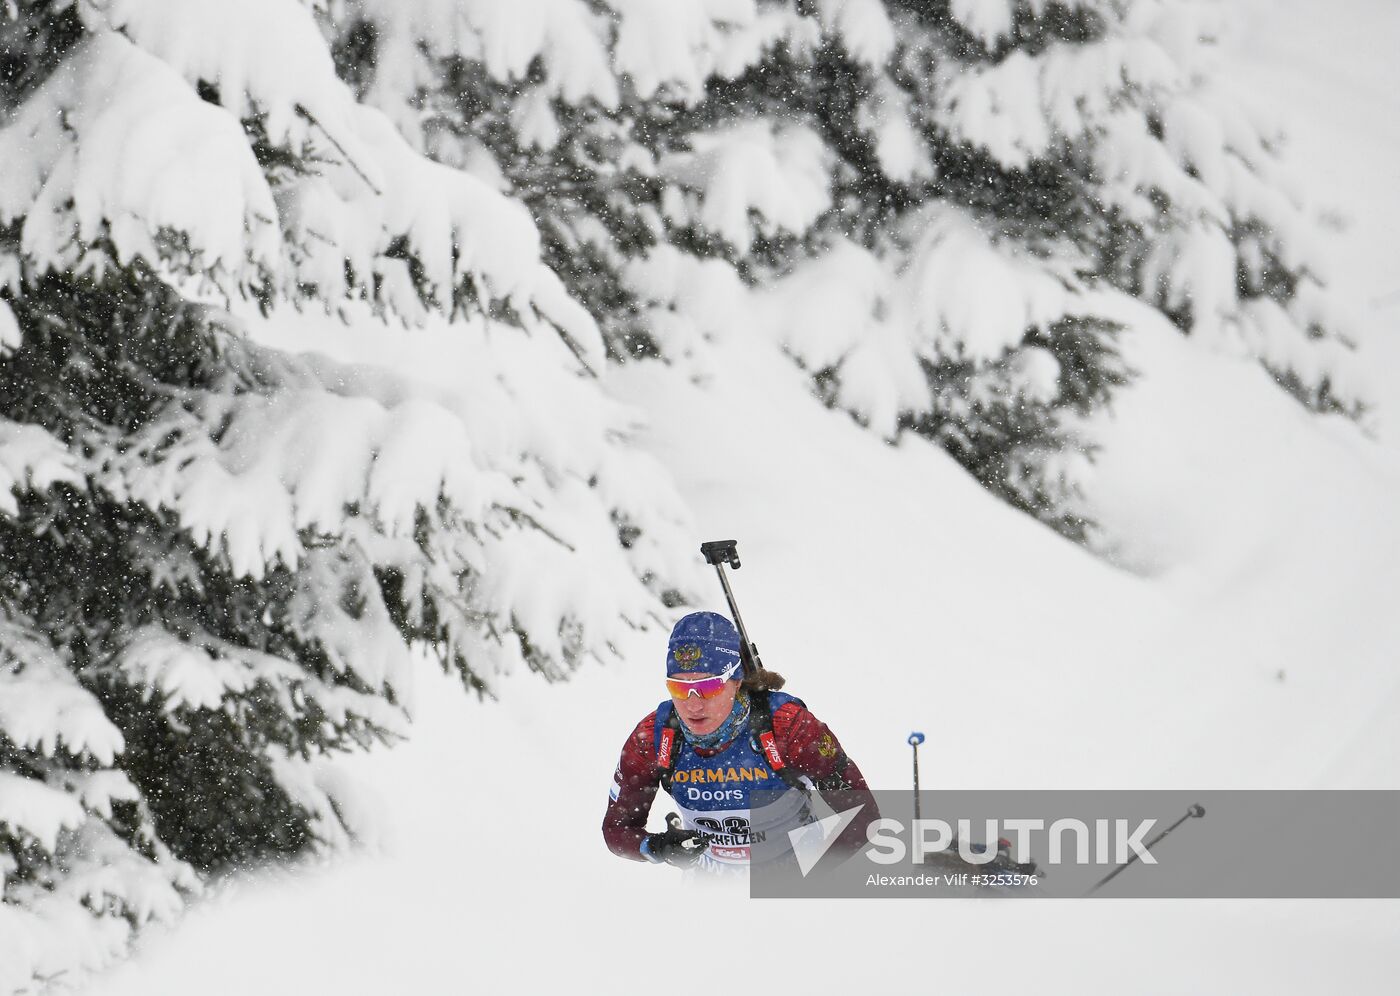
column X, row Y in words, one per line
column 721, row 736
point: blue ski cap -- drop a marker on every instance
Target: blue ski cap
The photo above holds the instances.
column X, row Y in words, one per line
column 702, row 643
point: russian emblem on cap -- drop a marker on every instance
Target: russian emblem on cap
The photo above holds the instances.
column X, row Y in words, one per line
column 688, row 654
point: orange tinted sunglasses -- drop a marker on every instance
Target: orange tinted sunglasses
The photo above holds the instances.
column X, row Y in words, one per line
column 707, row 688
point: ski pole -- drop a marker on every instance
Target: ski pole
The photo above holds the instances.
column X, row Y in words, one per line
column 915, row 739
column 717, row 553
column 1196, row 810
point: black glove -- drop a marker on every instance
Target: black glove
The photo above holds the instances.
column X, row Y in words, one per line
column 677, row 845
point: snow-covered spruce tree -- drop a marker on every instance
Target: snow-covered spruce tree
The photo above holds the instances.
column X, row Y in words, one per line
column 215, row 557
column 930, row 204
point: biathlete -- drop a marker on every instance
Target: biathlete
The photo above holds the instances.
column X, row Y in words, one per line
column 719, row 737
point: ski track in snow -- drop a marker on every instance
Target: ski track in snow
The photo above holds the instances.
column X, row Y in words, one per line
column 1257, row 650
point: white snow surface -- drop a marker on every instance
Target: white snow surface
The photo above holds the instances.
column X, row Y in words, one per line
column 1242, row 637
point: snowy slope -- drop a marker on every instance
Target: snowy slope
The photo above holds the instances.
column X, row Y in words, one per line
column 493, row 875
column 1250, row 644
column 1327, row 74
column 1283, row 532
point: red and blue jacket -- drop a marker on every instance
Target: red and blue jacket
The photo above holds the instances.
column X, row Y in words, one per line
column 711, row 787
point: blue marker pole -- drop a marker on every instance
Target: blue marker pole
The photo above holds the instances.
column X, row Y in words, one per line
column 915, row 739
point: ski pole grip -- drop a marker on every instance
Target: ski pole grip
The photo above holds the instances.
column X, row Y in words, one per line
column 717, row 552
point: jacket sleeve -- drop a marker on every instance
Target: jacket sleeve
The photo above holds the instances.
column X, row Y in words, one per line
column 634, row 787
column 810, row 748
